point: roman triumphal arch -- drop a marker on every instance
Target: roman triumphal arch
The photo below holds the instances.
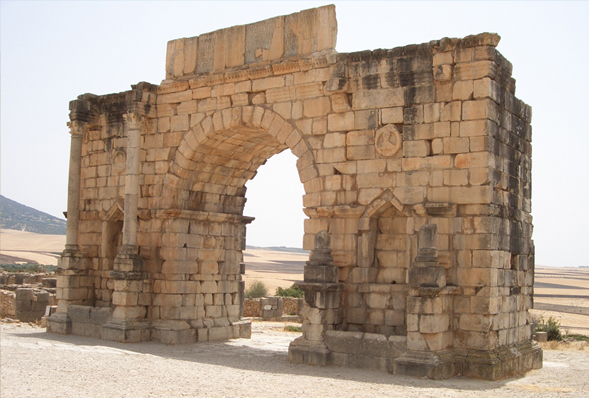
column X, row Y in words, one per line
column 416, row 166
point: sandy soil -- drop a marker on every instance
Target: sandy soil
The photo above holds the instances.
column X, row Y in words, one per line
column 274, row 268
column 555, row 288
column 31, row 247
column 38, row 364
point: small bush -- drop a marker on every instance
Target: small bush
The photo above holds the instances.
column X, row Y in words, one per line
column 27, row 267
column 579, row 337
column 552, row 327
column 293, row 291
column 290, row 328
column 256, row 290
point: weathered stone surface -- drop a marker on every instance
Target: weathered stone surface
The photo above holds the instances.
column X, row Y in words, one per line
column 389, row 143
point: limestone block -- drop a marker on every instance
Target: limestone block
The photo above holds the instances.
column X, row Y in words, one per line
column 201, row 93
column 375, row 180
column 427, row 276
column 175, row 58
column 360, row 152
column 477, row 276
column 220, row 333
column 310, row 31
column 452, row 111
column 209, row 287
column 453, row 145
column 475, row 70
column 443, row 73
column 480, row 109
column 125, row 298
column 434, row 323
column 340, row 102
column 409, row 195
column 416, row 341
column 128, row 285
column 309, row 90
column 476, row 322
column 331, row 155
column 344, row 342
column 384, row 98
column 24, row 294
column 375, row 317
column 340, row 121
column 129, row 312
column 72, row 293
column 173, row 98
column 487, row 88
column 360, row 138
column 420, row 148
column 268, row 82
column 474, row 160
column 439, row 341
column 477, row 128
column 431, row 113
column 463, row 90
column 316, row 107
column 442, row 58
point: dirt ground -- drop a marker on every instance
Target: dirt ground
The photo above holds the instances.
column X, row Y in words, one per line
column 38, row 364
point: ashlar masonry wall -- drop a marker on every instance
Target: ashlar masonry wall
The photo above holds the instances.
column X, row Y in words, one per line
column 416, row 166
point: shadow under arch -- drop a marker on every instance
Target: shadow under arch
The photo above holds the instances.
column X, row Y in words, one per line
column 223, row 151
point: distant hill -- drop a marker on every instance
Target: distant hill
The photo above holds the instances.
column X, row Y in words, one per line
column 13, row 215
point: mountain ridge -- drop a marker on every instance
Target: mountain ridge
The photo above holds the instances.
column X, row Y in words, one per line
column 14, row 215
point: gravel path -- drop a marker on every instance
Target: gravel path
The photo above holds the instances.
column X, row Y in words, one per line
column 38, row 364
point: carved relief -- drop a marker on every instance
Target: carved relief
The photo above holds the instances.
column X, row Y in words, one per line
column 388, row 140
column 119, row 160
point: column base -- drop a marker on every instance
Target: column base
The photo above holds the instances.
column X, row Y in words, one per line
column 307, row 352
column 59, row 323
column 435, row 366
column 126, row 331
column 500, row 363
column 128, row 264
column 71, row 259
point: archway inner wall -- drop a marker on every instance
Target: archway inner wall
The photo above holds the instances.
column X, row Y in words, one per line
column 387, row 141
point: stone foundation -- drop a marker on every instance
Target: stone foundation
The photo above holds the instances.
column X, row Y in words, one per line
column 99, row 323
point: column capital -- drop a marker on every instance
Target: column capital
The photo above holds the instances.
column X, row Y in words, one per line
column 77, row 127
column 133, row 120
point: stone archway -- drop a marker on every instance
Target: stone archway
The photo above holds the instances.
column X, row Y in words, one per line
column 415, row 206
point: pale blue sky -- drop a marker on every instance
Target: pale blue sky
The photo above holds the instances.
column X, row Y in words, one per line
column 53, row 51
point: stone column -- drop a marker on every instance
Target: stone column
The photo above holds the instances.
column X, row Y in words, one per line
column 429, row 314
column 128, row 323
column 128, row 264
column 323, row 305
column 71, row 263
column 77, row 130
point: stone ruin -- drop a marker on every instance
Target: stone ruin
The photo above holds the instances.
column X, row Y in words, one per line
column 416, row 166
column 27, row 297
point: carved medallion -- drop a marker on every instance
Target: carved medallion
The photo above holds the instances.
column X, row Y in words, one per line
column 119, row 161
column 388, row 140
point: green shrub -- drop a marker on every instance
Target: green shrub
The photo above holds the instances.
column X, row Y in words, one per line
column 293, row 291
column 256, row 290
column 26, row 267
column 579, row 337
column 290, row 328
column 552, row 327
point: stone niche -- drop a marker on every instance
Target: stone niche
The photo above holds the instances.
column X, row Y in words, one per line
column 416, row 166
